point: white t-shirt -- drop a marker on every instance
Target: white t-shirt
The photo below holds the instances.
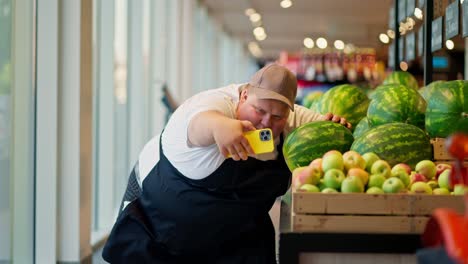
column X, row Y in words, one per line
column 199, row 162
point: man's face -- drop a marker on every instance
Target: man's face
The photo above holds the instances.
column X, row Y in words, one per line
column 263, row 113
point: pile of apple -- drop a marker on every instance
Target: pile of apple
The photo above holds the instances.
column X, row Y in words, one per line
column 351, row 172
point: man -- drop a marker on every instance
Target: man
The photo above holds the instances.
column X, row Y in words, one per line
column 187, row 202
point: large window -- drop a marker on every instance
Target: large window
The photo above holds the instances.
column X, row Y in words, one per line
column 5, row 128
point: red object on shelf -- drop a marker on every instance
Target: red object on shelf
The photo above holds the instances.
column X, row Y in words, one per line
column 446, row 227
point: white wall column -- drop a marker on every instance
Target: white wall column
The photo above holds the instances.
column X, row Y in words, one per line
column 186, row 86
column 174, row 66
column 75, row 131
column 21, row 221
column 135, row 75
column 158, row 58
column 46, row 130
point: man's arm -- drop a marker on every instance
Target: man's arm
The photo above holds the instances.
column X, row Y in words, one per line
column 212, row 127
column 303, row 115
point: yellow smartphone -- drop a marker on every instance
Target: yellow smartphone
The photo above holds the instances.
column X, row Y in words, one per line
column 261, row 140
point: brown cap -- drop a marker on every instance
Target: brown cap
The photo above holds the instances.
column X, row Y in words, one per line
column 275, row 82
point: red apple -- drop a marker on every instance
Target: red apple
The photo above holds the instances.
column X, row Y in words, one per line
column 381, row 167
column 417, row 177
column 332, row 159
column 426, row 168
column 361, row 173
column 402, row 166
column 317, row 163
column 352, row 159
column 441, row 167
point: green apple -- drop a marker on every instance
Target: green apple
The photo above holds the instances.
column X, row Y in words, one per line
column 352, row 184
column 426, row 168
column 421, row 188
column 329, row 190
column 375, row 190
column 352, row 159
column 460, row 189
column 333, row 178
column 332, row 159
column 393, row 185
column 444, row 180
column 320, row 185
column 433, row 184
column 381, row 167
column 309, row 188
column 376, row 180
column 402, row 175
column 370, row 158
column 441, row 191
column 361, row 173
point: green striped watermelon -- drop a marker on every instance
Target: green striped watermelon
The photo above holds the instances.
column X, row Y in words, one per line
column 447, row 109
column 395, row 143
column 312, row 140
column 361, row 128
column 396, row 103
column 426, row 91
column 345, row 100
column 311, row 98
column 403, row 78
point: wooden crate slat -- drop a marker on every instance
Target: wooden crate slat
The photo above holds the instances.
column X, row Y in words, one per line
column 359, row 224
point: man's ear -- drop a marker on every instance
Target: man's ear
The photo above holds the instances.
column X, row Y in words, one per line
column 243, row 96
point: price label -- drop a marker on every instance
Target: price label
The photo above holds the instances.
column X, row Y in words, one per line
column 410, row 46
column 436, row 40
column 451, row 20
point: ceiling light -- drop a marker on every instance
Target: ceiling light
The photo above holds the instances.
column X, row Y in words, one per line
column 322, row 43
column 286, row 3
column 261, row 37
column 250, row 11
column 449, row 44
column 259, row 31
column 255, row 49
column 309, row 43
column 418, row 13
column 349, row 48
column 255, row 17
column 391, row 34
column 339, row 44
column 384, row 38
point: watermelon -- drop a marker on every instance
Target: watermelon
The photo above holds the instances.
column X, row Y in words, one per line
column 345, row 100
column 361, row 128
column 426, row 91
column 312, row 140
column 311, row 98
column 396, row 103
column 403, row 78
column 447, row 109
column 395, row 143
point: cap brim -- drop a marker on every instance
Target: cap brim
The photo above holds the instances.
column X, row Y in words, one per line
column 262, row 93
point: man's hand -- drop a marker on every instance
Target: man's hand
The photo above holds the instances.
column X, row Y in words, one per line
column 229, row 137
column 336, row 119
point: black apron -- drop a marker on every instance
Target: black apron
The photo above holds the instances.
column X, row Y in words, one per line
column 222, row 218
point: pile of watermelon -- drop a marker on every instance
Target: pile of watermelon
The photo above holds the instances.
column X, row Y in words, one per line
column 396, row 123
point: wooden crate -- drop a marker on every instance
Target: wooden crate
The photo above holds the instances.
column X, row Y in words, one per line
column 440, row 152
column 367, row 213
